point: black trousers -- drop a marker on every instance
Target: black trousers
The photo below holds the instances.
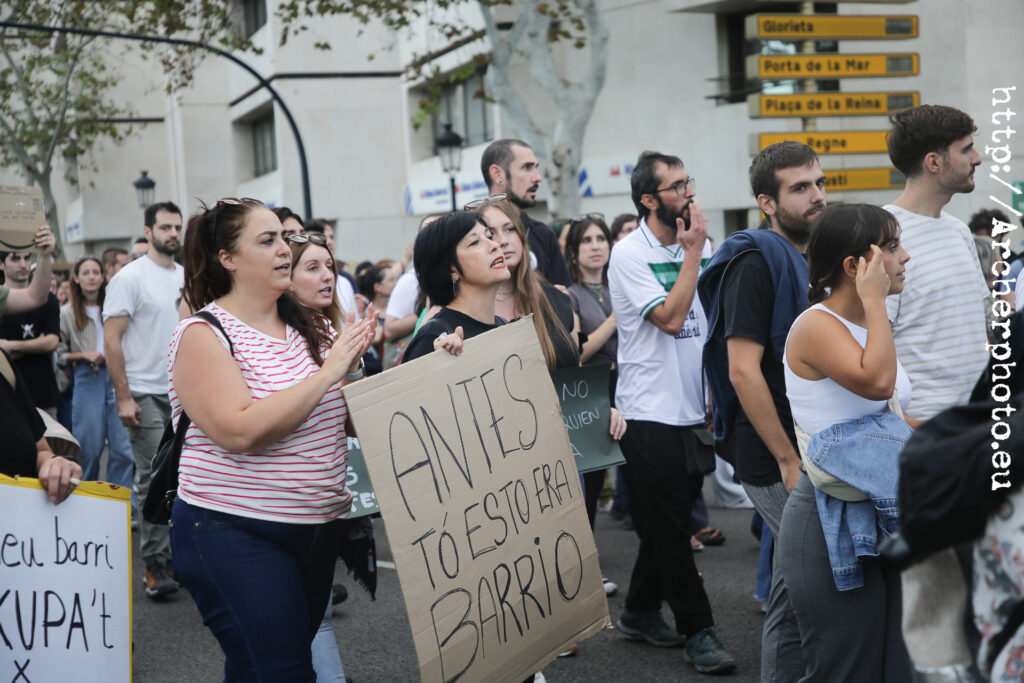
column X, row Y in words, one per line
column 663, row 480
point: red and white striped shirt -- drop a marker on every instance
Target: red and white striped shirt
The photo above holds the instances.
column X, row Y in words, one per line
column 300, row 479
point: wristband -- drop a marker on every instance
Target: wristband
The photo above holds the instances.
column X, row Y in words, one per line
column 358, row 374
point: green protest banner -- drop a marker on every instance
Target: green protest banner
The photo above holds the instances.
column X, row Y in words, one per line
column 583, row 395
column 586, row 412
column 364, row 500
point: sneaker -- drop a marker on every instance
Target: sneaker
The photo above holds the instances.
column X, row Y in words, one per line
column 650, row 626
column 571, row 652
column 610, row 587
column 159, row 583
column 339, row 594
column 170, row 572
column 707, row 654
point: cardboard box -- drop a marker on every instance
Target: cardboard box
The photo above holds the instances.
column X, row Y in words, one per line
column 21, row 214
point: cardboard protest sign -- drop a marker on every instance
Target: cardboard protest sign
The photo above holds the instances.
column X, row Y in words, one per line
column 65, row 583
column 586, row 412
column 21, row 214
column 364, row 500
column 484, row 509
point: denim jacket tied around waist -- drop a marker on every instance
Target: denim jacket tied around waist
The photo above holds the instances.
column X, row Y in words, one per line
column 864, row 453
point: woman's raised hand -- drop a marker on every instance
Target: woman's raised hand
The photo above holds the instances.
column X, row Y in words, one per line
column 452, row 343
column 872, row 281
column 349, row 347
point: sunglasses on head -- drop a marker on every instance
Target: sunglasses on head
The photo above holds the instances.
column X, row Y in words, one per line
column 213, row 213
column 302, row 238
column 469, row 206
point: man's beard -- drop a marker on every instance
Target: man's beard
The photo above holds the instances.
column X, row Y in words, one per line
column 166, row 250
column 668, row 217
column 796, row 227
column 522, row 202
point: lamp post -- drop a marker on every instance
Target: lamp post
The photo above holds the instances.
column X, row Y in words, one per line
column 145, row 190
column 449, row 151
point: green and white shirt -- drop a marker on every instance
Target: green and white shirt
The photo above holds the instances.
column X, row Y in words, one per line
column 659, row 374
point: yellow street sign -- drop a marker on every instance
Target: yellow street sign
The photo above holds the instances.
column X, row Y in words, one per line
column 776, row 67
column 829, row 27
column 847, row 180
column 831, row 104
column 834, row 142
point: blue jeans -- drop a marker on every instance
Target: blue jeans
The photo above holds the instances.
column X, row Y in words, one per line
column 260, row 586
column 95, row 423
column 326, row 658
column 865, row 454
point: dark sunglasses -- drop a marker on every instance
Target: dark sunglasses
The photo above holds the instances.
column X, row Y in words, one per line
column 213, row 213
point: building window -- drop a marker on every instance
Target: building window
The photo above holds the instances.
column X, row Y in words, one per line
column 464, row 106
column 735, row 85
column 264, row 145
column 254, row 16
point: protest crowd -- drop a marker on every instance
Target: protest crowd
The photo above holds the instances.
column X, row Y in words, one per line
column 834, row 368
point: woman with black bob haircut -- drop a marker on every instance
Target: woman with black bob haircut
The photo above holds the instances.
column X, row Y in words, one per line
column 841, row 377
column 255, row 527
column 459, row 267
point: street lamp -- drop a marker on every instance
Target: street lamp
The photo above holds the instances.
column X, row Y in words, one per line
column 145, row 190
column 449, row 151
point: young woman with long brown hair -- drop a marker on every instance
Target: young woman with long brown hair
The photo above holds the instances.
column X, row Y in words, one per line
column 94, row 419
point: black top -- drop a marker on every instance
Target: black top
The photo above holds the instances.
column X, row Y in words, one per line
column 544, row 246
column 566, row 356
column 36, row 368
column 747, row 302
column 20, row 426
column 446, row 320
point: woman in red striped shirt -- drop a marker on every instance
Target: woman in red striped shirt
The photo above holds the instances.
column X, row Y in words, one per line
column 262, row 474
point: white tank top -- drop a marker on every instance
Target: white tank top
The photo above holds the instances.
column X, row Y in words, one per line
column 819, row 404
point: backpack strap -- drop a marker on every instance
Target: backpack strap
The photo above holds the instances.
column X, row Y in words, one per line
column 212, row 319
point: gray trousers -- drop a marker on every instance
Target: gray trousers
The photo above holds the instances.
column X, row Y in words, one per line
column 852, row 635
column 781, row 657
column 154, row 541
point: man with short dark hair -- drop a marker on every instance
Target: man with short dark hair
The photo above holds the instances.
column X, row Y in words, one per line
column 114, row 259
column 510, row 167
column 140, row 312
column 30, row 338
column 652, row 276
column 938, row 324
column 752, row 290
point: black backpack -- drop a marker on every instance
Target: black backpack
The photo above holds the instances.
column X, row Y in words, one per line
column 163, row 483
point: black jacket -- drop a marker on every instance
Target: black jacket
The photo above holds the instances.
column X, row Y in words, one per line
column 544, row 246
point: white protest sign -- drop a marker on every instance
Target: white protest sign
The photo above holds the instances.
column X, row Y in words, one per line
column 65, row 583
column 484, row 509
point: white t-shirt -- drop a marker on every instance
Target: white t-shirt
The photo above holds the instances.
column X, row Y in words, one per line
column 347, row 298
column 403, row 297
column 148, row 294
column 94, row 313
column 938, row 320
column 660, row 376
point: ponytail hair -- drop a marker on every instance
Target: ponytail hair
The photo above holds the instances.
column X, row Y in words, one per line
column 841, row 231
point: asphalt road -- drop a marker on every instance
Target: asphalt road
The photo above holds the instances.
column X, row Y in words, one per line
column 172, row 645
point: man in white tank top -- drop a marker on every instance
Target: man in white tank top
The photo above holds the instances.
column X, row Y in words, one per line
column 938, row 324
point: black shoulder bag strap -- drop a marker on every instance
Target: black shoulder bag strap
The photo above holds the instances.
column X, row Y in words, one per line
column 184, row 421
